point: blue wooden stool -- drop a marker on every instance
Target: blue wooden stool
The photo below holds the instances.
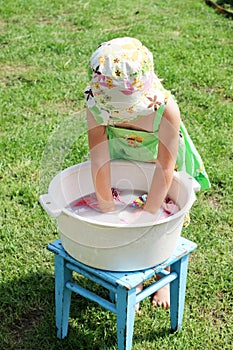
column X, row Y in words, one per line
column 122, row 288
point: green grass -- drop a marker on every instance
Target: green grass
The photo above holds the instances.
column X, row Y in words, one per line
column 44, row 51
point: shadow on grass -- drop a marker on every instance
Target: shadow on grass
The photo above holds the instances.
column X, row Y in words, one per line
column 28, row 318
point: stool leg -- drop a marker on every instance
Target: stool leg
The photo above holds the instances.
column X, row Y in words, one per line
column 126, row 301
column 62, row 296
column 177, row 292
column 112, row 296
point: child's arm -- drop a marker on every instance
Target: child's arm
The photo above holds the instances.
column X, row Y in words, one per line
column 100, row 163
column 167, row 153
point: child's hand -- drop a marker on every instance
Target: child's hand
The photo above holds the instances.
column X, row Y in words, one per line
column 91, row 201
column 138, row 216
column 107, row 207
column 170, row 207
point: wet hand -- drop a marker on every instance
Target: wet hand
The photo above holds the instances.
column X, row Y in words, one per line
column 138, row 216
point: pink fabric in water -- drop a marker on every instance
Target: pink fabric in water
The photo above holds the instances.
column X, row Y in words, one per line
column 168, row 207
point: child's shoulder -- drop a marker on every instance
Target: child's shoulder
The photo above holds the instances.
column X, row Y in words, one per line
column 172, row 111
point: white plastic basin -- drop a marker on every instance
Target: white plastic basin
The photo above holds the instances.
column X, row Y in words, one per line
column 116, row 246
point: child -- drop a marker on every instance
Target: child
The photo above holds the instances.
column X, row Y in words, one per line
column 131, row 115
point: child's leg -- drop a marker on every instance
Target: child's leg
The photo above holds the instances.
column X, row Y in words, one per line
column 139, row 288
column 162, row 296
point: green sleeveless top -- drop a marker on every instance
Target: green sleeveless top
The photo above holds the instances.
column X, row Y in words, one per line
column 143, row 146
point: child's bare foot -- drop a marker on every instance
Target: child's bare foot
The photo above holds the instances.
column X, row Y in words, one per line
column 139, row 288
column 162, row 298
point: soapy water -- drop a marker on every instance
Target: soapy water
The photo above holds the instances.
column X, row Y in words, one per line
column 126, row 208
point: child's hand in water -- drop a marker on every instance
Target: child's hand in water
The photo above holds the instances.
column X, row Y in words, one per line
column 91, row 201
column 138, row 216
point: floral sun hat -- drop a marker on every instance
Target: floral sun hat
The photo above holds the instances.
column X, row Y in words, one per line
column 124, row 86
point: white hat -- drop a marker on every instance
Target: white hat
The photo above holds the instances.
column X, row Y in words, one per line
column 123, row 85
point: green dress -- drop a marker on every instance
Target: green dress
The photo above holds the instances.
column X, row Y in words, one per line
column 143, row 146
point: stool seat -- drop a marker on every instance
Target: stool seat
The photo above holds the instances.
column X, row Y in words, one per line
column 122, row 288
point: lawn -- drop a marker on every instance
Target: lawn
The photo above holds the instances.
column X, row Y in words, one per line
column 44, row 51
